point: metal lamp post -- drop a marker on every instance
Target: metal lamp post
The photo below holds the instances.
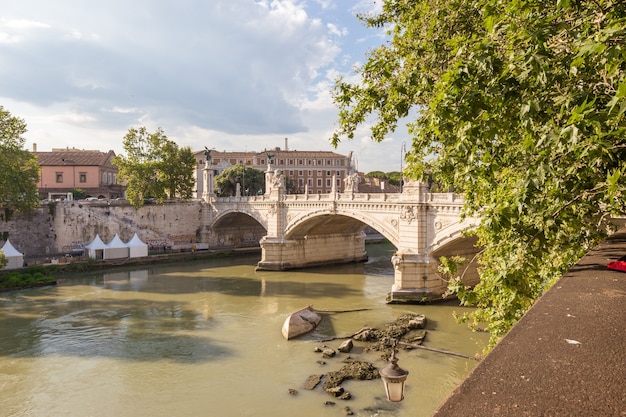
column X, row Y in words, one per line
column 402, row 153
column 393, row 377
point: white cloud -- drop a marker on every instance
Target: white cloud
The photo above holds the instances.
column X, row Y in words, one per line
column 235, row 74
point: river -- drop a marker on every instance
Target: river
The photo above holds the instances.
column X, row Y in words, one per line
column 203, row 339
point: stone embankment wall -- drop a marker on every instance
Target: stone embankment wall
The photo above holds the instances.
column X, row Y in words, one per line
column 56, row 228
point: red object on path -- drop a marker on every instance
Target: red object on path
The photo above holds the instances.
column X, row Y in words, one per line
column 619, row 265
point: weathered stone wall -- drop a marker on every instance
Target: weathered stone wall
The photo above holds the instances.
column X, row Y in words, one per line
column 33, row 234
column 57, row 227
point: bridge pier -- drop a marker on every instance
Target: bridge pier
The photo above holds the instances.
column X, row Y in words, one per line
column 284, row 254
column 414, row 279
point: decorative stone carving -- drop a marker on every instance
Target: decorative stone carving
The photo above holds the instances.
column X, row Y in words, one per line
column 396, row 260
column 408, row 214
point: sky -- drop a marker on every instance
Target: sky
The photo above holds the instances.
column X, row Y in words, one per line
column 234, row 75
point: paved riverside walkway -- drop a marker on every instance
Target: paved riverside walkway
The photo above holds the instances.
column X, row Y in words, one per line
column 565, row 357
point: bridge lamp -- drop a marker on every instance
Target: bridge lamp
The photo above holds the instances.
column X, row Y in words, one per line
column 393, row 377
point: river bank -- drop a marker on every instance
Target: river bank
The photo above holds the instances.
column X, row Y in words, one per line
column 40, row 273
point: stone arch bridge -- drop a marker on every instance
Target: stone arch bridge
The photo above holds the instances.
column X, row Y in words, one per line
column 304, row 230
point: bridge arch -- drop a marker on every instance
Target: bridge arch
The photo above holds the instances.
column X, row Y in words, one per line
column 222, row 214
column 234, row 228
column 453, row 241
column 449, row 234
column 338, row 221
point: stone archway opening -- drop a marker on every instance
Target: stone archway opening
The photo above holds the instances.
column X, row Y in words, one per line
column 236, row 230
column 464, row 247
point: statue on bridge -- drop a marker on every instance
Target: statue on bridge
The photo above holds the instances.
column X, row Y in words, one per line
column 352, row 182
column 278, row 179
column 207, row 155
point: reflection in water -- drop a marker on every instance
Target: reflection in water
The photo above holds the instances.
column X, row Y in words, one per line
column 203, row 338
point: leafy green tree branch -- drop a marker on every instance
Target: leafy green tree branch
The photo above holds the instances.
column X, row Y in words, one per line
column 521, row 108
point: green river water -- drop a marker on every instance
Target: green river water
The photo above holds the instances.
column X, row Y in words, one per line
column 203, row 339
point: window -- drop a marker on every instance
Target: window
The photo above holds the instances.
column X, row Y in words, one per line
column 319, row 182
column 300, row 162
column 262, row 161
column 328, row 162
column 59, row 176
column 291, row 162
column 282, row 162
column 328, row 182
column 319, row 173
column 328, row 174
column 310, row 182
column 310, row 173
column 301, row 182
column 291, row 172
column 300, row 173
column 82, row 177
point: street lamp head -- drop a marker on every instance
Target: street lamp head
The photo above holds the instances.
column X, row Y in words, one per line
column 394, row 377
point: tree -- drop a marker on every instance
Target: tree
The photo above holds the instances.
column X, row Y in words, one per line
column 78, row 194
column 394, row 177
column 521, row 108
column 155, row 167
column 252, row 181
column 3, row 259
column 19, row 169
column 376, row 174
column 176, row 170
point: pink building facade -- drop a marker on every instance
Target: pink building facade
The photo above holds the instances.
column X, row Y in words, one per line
column 64, row 170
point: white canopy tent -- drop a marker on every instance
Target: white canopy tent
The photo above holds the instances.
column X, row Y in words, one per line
column 116, row 249
column 137, row 248
column 95, row 248
column 15, row 257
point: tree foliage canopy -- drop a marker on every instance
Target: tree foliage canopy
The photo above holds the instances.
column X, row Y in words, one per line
column 19, row 169
column 521, row 108
column 252, row 181
column 155, row 167
column 393, row 177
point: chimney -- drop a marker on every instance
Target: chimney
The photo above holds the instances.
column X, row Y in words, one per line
column 34, row 147
column 286, row 144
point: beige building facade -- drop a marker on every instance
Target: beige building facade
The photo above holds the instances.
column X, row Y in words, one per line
column 306, row 172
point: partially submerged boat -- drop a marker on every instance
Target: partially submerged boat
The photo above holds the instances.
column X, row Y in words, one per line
column 300, row 322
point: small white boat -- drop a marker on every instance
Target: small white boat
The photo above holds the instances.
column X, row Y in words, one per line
column 300, row 322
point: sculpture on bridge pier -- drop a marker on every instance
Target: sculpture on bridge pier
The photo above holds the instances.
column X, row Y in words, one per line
column 207, row 155
column 352, row 182
column 207, row 176
column 274, row 181
column 270, row 160
column 278, row 179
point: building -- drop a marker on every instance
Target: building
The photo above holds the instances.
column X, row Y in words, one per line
column 311, row 172
column 64, row 170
